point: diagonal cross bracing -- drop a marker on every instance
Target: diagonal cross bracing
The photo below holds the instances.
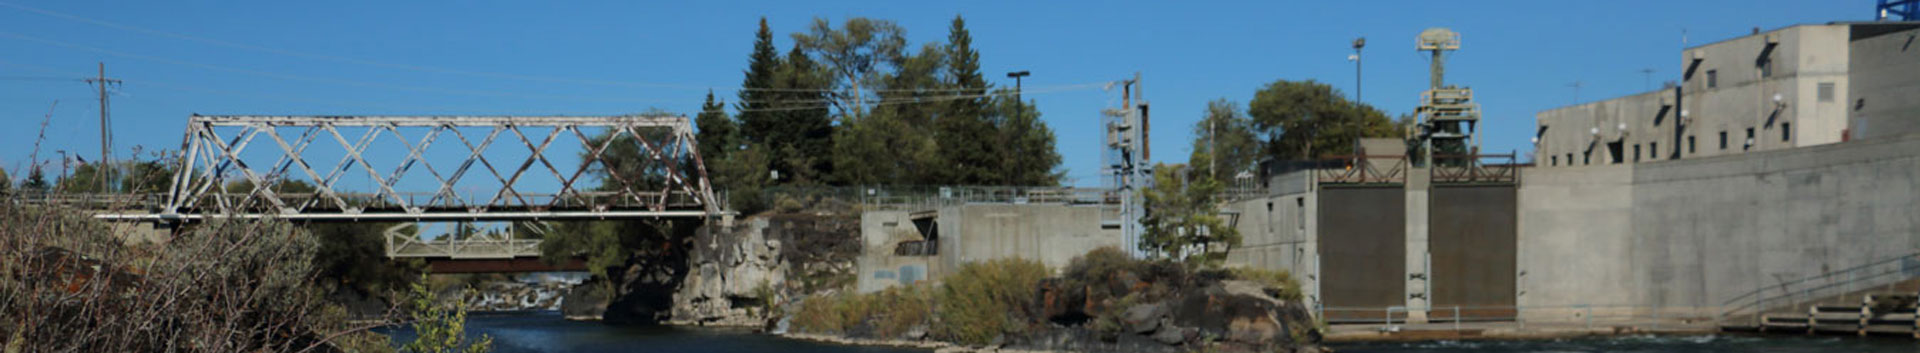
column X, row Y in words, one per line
column 217, row 175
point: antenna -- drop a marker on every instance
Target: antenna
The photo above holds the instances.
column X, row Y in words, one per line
column 1576, row 90
column 1646, row 83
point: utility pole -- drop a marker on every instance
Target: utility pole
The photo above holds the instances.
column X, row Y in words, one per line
column 103, row 171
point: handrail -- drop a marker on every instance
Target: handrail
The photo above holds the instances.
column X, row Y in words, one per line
column 1755, row 298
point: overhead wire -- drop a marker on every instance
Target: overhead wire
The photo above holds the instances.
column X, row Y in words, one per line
column 433, row 69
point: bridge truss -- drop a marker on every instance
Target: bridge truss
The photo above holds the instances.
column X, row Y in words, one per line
column 384, row 170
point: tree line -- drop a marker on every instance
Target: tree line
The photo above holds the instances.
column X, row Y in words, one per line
column 853, row 104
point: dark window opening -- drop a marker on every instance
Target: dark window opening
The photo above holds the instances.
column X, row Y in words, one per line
column 1713, row 78
column 1723, row 140
column 1691, row 147
column 1636, row 152
column 1616, row 152
column 1749, row 144
column 928, row 245
column 1653, row 150
column 1556, row 161
column 1786, row 131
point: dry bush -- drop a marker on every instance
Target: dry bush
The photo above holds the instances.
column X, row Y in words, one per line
column 1279, row 283
column 67, row 284
column 986, row 299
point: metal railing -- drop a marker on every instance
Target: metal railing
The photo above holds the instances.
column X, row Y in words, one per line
column 1363, row 169
column 1585, row 316
column 1882, row 273
column 1478, row 168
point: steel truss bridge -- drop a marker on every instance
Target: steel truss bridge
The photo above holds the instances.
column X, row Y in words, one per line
column 433, row 168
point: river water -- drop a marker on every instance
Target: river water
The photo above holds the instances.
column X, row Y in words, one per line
column 1652, row 344
column 548, row 333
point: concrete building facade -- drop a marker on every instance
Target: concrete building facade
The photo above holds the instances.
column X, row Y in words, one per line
column 1885, row 84
column 1784, row 88
column 903, row 247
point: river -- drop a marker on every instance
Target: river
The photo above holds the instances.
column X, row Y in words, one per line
column 548, row 333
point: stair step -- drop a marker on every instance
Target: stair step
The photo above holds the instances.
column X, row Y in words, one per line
column 1836, row 308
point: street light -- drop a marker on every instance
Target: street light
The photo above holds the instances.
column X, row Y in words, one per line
column 1016, row 75
column 1357, row 44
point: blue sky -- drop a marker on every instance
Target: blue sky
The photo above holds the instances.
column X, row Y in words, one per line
column 473, row 57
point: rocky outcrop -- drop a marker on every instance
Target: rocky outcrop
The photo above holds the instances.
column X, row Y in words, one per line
column 737, row 275
column 734, row 273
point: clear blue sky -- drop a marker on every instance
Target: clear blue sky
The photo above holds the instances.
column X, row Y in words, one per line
column 394, row 57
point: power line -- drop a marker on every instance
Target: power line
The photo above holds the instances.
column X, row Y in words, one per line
column 774, row 106
column 40, row 78
column 430, row 69
column 293, row 77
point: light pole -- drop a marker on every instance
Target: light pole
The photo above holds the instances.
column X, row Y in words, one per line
column 1016, row 75
column 1357, row 44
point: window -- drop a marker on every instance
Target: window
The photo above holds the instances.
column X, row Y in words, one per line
column 1826, row 92
column 1653, row 150
column 1723, row 140
column 1749, row 144
column 1569, row 159
column 1586, row 159
column 1713, row 78
column 1636, row 152
column 1786, row 132
column 1766, row 66
column 1301, row 206
column 1691, row 146
column 1556, row 161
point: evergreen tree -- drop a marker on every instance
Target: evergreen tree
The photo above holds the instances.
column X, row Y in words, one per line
column 966, row 133
column 756, row 96
column 717, row 133
column 1025, row 144
column 804, row 126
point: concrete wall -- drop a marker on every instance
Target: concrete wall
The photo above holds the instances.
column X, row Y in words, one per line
column 1708, row 230
column 1276, row 232
column 1886, row 80
column 1575, row 236
column 1687, row 236
column 878, row 267
column 1050, row 233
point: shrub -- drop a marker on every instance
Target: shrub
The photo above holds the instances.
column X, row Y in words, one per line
column 221, row 286
column 888, row 313
column 440, row 326
column 1280, row 283
column 985, row 299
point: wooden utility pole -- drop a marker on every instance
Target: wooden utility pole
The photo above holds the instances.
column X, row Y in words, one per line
column 103, row 169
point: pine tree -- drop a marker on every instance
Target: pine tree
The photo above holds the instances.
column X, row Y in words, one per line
column 756, row 99
column 717, row 133
column 803, row 132
column 966, row 133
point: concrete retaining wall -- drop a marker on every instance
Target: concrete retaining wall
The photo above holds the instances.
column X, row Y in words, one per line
column 1687, row 236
